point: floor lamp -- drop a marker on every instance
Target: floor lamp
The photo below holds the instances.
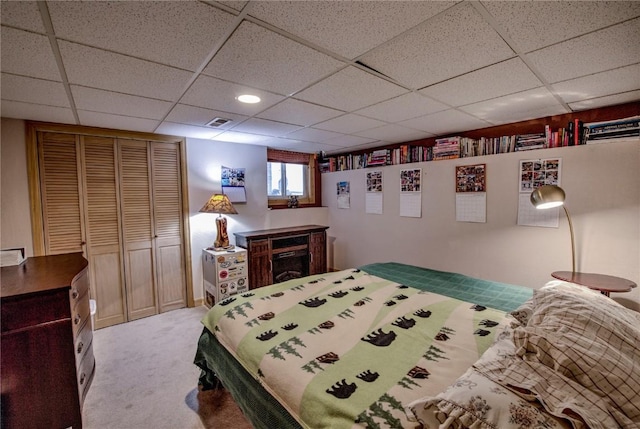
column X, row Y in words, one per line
column 549, row 196
column 220, row 203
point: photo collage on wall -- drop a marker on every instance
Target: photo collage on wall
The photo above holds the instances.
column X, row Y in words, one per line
column 233, row 181
column 471, row 193
column 410, row 192
column 373, row 202
column 539, row 172
column 471, row 178
column 533, row 174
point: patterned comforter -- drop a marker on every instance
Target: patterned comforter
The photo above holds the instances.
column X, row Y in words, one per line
column 349, row 349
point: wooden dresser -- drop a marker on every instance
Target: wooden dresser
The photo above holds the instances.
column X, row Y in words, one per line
column 47, row 356
column 279, row 254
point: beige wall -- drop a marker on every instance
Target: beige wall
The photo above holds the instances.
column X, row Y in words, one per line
column 15, row 229
column 603, row 196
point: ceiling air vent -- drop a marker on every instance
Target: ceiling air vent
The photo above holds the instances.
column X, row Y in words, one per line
column 217, row 122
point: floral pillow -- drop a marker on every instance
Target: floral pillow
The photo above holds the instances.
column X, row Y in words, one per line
column 476, row 402
column 473, row 401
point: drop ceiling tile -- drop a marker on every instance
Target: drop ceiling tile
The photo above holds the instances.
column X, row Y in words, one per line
column 348, row 141
column 611, row 100
column 237, row 5
column 494, row 81
column 536, row 24
column 217, row 94
column 28, row 54
column 606, row 49
column 183, row 130
column 349, row 123
column 372, row 145
column 97, row 100
column 348, row 28
column 21, row 14
column 313, row 135
column 36, row 112
column 404, row 107
column 600, row 84
column 30, row 90
column 304, row 147
column 534, row 103
column 263, row 126
column 299, row 112
column 350, row 89
column 176, row 33
column 199, row 116
column 453, row 43
column 235, row 137
column 113, row 72
column 393, row 133
column 118, row 122
column 269, row 61
column 446, row 122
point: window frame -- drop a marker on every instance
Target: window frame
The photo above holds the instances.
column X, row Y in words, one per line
column 314, row 197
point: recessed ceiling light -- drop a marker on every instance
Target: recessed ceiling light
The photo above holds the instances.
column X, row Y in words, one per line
column 247, row 98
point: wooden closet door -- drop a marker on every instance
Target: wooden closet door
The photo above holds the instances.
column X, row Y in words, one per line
column 60, row 186
column 102, row 220
column 137, row 231
column 167, row 201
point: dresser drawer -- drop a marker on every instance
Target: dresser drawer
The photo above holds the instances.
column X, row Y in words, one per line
column 85, row 373
column 79, row 287
column 36, row 309
column 83, row 342
column 80, row 314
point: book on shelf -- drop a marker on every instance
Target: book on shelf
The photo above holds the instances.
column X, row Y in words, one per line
column 618, row 129
column 530, row 141
column 447, row 148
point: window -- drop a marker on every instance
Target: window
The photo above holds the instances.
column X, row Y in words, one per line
column 287, row 179
column 291, row 174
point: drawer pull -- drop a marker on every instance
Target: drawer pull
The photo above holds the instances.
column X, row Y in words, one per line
column 82, row 378
column 80, row 347
column 77, row 319
column 74, row 294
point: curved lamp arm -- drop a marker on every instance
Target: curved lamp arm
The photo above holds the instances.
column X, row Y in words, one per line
column 573, row 243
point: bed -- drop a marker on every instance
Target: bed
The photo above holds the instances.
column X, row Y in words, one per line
column 393, row 345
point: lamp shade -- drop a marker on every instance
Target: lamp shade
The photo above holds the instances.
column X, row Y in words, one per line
column 218, row 203
column 547, row 196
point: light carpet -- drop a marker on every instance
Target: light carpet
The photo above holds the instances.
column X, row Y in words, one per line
column 145, row 378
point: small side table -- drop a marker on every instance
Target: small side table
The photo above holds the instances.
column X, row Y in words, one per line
column 603, row 283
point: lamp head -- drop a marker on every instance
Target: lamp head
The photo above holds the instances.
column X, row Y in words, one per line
column 547, row 196
column 218, row 203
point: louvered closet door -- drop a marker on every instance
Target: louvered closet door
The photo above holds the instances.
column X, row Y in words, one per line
column 60, row 193
column 167, row 198
column 139, row 252
column 102, row 220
